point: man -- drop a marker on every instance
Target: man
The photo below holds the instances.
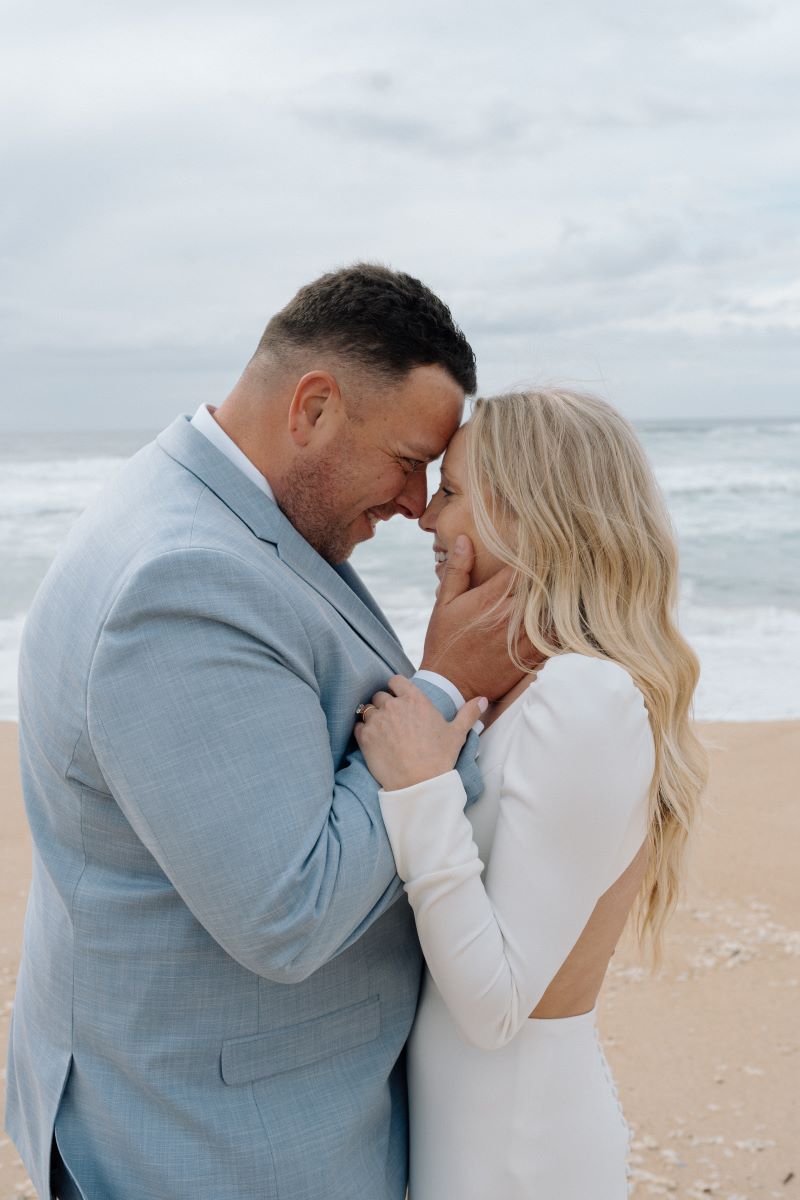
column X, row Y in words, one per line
column 216, row 983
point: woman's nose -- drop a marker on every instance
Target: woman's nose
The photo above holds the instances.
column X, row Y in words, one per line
column 428, row 519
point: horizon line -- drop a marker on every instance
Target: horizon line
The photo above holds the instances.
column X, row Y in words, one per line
column 686, row 420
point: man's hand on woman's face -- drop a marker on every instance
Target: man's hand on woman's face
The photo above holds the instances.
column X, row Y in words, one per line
column 476, row 659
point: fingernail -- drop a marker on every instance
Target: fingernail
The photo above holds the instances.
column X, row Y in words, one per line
column 483, row 704
column 461, row 544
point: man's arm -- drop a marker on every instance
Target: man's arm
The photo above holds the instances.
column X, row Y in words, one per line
column 215, row 745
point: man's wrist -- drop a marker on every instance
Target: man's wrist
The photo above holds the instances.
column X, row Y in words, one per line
column 449, row 689
column 440, row 681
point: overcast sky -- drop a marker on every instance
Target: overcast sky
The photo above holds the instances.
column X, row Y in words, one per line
column 603, row 191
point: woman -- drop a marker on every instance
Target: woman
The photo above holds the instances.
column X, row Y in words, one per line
column 592, row 778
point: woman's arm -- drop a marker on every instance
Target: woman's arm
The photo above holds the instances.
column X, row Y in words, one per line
column 572, row 813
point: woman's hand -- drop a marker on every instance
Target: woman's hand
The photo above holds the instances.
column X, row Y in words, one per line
column 405, row 739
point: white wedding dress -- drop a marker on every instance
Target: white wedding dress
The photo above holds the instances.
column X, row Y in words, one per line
column 504, row 1107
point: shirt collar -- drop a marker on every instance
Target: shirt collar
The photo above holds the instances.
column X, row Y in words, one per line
column 204, row 423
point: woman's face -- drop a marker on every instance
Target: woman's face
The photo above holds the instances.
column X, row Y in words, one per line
column 450, row 514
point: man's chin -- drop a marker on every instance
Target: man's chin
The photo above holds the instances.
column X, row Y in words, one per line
column 343, row 551
column 339, row 550
column 331, row 542
column 362, row 530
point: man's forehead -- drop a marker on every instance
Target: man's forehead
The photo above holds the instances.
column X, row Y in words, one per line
column 430, row 439
column 419, row 450
column 422, row 424
column 432, row 448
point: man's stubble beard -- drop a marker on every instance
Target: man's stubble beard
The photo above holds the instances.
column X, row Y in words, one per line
column 310, row 498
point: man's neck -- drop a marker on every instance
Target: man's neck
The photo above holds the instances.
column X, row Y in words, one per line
column 253, row 431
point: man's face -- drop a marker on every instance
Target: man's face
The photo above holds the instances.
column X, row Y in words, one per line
column 375, row 466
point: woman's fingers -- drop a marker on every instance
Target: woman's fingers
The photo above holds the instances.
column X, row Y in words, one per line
column 466, row 717
column 405, row 739
column 398, row 685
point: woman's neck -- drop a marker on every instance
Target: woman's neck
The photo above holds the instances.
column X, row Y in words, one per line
column 494, row 710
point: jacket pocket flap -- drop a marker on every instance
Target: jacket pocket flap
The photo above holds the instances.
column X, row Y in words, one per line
column 246, row 1059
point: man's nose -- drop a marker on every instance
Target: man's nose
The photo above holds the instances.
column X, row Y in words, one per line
column 413, row 499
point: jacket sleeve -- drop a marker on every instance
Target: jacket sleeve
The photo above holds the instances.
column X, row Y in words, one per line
column 215, row 745
column 572, row 814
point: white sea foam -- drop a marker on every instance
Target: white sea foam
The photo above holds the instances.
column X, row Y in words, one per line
column 749, row 657
column 733, row 492
column 40, row 500
column 742, row 479
column 749, row 662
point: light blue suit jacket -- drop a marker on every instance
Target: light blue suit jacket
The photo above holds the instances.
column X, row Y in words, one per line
column 216, row 984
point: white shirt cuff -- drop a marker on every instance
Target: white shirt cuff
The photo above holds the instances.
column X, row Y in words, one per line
column 449, row 689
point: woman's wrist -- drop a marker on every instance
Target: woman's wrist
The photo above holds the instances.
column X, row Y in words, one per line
column 403, row 781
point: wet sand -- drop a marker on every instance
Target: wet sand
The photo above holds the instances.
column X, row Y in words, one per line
column 707, row 1056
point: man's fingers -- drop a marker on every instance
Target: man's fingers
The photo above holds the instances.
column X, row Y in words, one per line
column 460, row 562
column 528, row 654
column 495, row 588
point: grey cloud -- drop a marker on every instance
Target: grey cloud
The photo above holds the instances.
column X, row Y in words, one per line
column 645, row 111
column 494, row 132
column 681, row 18
column 359, row 123
column 595, row 191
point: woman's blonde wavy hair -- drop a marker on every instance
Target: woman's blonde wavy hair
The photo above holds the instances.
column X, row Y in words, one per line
column 562, row 492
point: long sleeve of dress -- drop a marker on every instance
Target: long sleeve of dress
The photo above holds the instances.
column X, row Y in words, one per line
column 572, row 815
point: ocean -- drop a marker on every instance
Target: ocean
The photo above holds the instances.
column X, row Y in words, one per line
column 732, row 488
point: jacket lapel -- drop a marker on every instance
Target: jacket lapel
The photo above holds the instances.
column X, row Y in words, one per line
column 340, row 585
column 354, row 581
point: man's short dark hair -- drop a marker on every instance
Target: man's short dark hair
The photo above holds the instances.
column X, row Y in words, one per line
column 385, row 320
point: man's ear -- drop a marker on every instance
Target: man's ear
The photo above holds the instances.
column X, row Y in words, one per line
column 316, row 408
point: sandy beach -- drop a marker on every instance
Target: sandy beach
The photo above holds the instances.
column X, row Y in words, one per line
column 707, row 1056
